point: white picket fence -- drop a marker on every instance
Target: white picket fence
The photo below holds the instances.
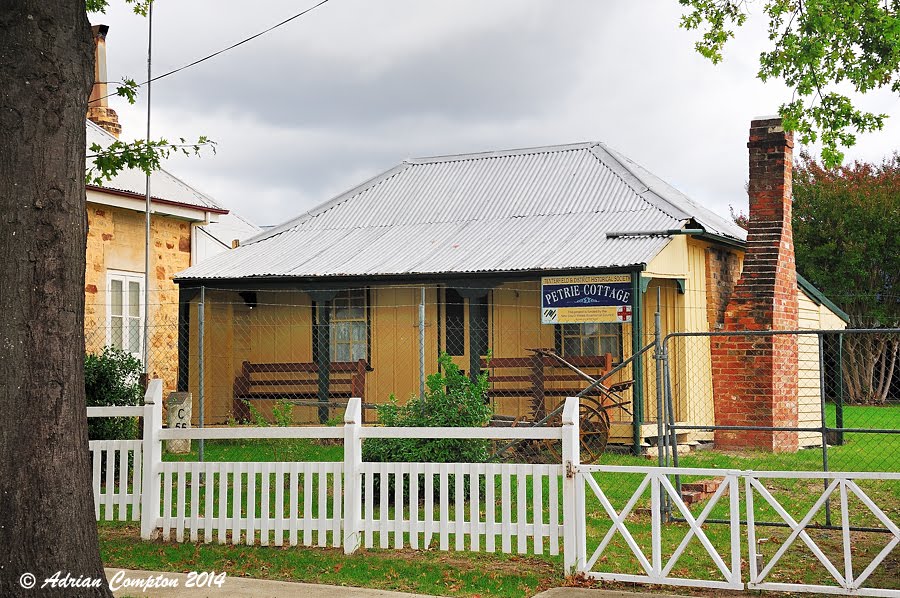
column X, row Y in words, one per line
column 117, row 470
column 463, row 506
column 522, row 508
column 506, row 513
column 253, row 503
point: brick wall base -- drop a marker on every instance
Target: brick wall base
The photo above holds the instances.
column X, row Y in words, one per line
column 755, row 384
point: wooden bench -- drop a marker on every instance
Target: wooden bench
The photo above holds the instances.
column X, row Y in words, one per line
column 298, row 383
column 540, row 377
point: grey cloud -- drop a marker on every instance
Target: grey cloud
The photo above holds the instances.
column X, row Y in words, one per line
column 314, row 109
column 498, row 74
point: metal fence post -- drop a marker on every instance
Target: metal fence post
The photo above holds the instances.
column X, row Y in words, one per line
column 352, row 467
column 201, row 398
column 821, row 339
column 572, row 520
column 670, row 414
column 637, row 367
column 661, row 437
column 422, row 344
column 151, row 458
column 839, row 409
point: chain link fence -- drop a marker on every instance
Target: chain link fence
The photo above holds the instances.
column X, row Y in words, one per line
column 284, row 357
column 813, row 400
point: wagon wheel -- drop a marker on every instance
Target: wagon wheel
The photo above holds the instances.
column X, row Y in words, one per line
column 593, row 432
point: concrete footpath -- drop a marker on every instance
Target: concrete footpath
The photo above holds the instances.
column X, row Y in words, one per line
column 130, row 583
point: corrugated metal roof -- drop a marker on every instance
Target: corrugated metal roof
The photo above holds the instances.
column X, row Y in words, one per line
column 163, row 184
column 534, row 209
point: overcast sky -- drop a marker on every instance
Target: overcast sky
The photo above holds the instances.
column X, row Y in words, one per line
column 356, row 86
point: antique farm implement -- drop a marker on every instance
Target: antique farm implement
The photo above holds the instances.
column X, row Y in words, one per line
column 547, row 393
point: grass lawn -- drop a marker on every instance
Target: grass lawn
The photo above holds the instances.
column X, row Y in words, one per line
column 470, row 574
column 426, row 572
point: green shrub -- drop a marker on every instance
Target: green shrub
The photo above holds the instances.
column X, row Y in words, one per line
column 283, row 413
column 451, row 400
column 256, row 416
column 112, row 378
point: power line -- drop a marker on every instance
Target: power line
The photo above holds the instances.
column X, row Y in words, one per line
column 223, row 50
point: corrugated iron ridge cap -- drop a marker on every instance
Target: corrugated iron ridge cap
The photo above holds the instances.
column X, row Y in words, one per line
column 200, row 195
column 524, row 151
column 383, row 176
column 327, row 205
column 631, row 180
column 660, row 195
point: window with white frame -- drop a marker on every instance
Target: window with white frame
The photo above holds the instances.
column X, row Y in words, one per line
column 349, row 326
column 125, row 311
column 589, row 340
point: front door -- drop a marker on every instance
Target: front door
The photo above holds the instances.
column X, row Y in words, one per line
column 457, row 327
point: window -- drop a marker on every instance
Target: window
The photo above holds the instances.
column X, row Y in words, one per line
column 349, row 326
column 454, row 322
column 125, row 312
column 592, row 339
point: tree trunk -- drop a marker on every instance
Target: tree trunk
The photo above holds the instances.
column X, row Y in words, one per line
column 886, row 370
column 868, row 366
column 46, row 503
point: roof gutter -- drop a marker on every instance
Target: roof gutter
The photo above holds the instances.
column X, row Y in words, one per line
column 155, row 199
column 299, row 283
column 671, row 232
column 656, row 233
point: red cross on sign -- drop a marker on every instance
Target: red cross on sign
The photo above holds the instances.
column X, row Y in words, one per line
column 624, row 313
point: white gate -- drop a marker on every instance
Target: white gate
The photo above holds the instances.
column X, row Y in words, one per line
column 845, row 485
column 656, row 570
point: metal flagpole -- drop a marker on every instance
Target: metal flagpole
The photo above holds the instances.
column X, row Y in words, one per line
column 146, row 332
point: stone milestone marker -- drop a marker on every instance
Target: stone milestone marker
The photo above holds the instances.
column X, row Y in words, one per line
column 179, row 407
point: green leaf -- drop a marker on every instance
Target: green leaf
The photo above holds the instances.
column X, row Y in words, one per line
column 816, row 45
column 142, row 155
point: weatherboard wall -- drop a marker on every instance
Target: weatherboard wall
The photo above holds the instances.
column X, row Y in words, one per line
column 279, row 329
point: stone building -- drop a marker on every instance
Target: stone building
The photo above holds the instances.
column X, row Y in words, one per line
column 185, row 225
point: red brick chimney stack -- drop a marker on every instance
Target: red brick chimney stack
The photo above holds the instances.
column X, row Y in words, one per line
column 755, row 378
column 99, row 111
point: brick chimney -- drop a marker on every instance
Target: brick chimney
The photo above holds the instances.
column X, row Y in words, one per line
column 99, row 111
column 755, row 377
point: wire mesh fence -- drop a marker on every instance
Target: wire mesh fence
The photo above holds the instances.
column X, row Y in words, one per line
column 290, row 357
column 811, row 400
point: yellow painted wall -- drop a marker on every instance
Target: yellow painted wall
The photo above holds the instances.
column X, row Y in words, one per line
column 279, row 329
column 689, row 357
column 672, row 261
column 395, row 342
column 115, row 241
column 664, row 294
column 516, row 317
column 812, row 317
